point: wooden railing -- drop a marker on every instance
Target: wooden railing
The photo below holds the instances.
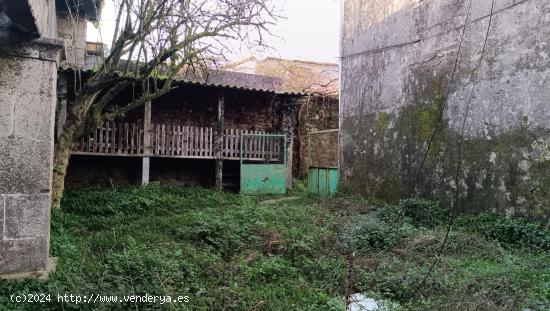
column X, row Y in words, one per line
column 177, row 141
column 113, row 138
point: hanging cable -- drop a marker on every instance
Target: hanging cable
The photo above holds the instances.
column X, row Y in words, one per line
column 459, row 163
column 401, row 213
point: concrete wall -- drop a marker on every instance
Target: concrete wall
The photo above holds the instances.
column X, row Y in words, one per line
column 397, row 69
column 45, row 17
column 27, row 18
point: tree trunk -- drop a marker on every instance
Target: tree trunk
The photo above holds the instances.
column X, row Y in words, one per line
column 62, row 150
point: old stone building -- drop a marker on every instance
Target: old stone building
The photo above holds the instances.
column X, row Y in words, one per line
column 29, row 59
column 430, row 88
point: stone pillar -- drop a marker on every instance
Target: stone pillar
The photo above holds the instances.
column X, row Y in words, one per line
column 28, row 77
column 146, row 144
column 145, row 169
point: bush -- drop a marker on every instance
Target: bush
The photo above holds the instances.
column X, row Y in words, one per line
column 368, row 233
column 515, row 232
column 388, row 213
column 271, row 268
column 424, row 213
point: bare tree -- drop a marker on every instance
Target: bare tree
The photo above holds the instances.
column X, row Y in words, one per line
column 152, row 39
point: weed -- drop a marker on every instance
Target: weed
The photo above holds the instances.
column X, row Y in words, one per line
column 291, row 255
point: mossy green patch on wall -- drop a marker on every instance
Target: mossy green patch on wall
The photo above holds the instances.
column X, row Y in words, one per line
column 382, row 122
column 409, row 97
column 414, row 151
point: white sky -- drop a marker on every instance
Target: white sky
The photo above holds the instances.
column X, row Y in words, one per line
column 310, row 31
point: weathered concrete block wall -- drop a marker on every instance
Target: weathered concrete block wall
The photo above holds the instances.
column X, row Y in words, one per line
column 28, row 73
column 397, row 69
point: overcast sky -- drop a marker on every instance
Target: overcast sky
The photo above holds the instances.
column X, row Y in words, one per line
column 310, row 30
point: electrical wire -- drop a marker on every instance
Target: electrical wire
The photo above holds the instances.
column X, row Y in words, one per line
column 460, row 142
column 442, row 110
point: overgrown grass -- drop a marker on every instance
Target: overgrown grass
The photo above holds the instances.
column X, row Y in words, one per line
column 225, row 252
column 231, row 252
column 489, row 262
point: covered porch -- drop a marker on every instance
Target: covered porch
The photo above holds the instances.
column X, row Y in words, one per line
column 207, row 124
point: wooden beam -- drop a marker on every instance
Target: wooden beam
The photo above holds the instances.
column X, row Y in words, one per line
column 146, row 163
column 218, row 146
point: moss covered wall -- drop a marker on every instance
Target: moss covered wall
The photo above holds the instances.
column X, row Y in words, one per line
column 399, row 97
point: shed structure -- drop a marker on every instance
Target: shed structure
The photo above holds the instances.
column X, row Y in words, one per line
column 186, row 136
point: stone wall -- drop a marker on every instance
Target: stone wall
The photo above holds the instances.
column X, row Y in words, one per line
column 73, row 33
column 403, row 102
column 317, row 113
column 28, row 74
column 323, row 149
column 197, row 106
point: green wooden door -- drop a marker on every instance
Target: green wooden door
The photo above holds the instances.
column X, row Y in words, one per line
column 323, row 181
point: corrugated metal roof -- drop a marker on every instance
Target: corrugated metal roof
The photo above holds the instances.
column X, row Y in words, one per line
column 228, row 80
column 238, row 80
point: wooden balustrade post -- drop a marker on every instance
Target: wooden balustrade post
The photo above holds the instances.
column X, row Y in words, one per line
column 146, row 144
column 218, row 146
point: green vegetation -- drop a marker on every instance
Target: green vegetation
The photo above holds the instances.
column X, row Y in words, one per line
column 489, row 263
column 236, row 255
column 230, row 252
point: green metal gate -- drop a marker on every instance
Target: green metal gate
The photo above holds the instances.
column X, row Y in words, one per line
column 263, row 164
